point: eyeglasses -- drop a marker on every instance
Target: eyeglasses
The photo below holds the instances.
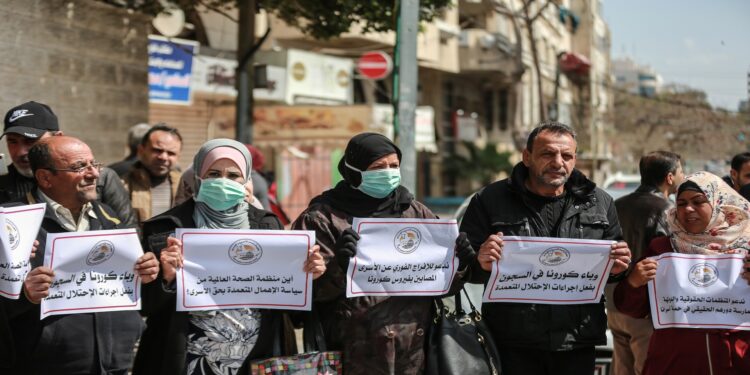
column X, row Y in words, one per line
column 79, row 170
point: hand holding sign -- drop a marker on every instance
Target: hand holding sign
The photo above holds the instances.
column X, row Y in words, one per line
column 346, row 247
column 621, row 255
column 36, row 285
column 170, row 258
column 643, row 272
column 491, row 251
column 147, row 267
column 464, row 252
column 315, row 264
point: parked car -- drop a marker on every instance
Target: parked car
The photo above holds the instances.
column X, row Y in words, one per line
column 620, row 184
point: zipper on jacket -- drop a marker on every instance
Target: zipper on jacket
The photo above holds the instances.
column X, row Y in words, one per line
column 708, row 354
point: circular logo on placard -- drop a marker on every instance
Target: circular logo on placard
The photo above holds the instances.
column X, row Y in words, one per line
column 703, row 274
column 14, row 236
column 102, row 251
column 245, row 252
column 407, row 240
column 554, row 256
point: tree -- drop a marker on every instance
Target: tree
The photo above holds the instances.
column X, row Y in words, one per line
column 481, row 165
column 320, row 19
column 528, row 19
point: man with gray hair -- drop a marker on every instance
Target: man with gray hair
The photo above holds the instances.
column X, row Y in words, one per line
column 87, row 343
column 135, row 135
column 545, row 196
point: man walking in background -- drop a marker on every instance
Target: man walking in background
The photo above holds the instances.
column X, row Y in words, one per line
column 135, row 135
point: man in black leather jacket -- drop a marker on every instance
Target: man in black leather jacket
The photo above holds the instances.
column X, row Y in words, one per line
column 642, row 217
column 544, row 197
column 24, row 126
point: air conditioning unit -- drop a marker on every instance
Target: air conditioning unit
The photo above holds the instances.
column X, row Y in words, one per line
column 487, row 41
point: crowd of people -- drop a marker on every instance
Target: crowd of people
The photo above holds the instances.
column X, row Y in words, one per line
column 545, row 196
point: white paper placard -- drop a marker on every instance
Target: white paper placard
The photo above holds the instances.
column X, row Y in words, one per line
column 700, row 291
column 18, row 232
column 94, row 272
column 552, row 271
column 402, row 257
column 229, row 269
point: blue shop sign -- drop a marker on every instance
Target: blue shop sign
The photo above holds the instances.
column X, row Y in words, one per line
column 170, row 66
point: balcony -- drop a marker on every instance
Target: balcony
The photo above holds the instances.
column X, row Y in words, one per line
column 483, row 52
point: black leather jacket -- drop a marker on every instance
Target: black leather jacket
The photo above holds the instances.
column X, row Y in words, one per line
column 109, row 190
column 503, row 206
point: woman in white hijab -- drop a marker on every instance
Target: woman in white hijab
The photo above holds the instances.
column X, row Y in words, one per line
column 217, row 341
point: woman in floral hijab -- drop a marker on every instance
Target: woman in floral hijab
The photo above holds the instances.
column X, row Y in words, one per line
column 709, row 218
column 729, row 226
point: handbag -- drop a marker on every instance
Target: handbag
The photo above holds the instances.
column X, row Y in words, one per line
column 315, row 360
column 460, row 342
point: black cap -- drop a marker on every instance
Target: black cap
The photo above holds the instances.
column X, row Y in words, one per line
column 30, row 120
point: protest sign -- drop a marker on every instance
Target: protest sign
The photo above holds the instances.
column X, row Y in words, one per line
column 18, row 233
column 700, row 291
column 549, row 271
column 229, row 269
column 403, row 257
column 94, row 272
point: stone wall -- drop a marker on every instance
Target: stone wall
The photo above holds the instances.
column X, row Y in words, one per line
column 86, row 59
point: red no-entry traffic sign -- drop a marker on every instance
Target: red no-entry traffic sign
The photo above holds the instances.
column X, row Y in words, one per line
column 375, row 65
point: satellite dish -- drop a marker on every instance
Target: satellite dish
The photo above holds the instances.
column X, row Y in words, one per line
column 170, row 21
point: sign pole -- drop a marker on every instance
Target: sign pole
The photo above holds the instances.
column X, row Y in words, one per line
column 404, row 108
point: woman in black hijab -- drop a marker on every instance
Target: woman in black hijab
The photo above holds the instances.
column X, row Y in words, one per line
column 377, row 334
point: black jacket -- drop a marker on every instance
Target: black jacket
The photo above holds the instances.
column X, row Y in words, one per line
column 503, row 206
column 642, row 215
column 163, row 346
column 94, row 343
column 109, row 190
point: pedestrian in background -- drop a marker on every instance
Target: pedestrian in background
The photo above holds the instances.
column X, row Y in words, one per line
column 135, row 135
column 642, row 218
column 739, row 174
column 153, row 180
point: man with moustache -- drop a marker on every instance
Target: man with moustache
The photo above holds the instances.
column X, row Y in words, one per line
column 153, row 180
column 30, row 122
column 90, row 343
column 545, row 196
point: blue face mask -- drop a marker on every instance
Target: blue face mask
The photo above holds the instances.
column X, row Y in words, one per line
column 221, row 194
column 378, row 183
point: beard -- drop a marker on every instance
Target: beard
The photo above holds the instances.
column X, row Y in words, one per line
column 544, row 179
column 26, row 172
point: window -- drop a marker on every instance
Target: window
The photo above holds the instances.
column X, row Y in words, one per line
column 502, row 109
